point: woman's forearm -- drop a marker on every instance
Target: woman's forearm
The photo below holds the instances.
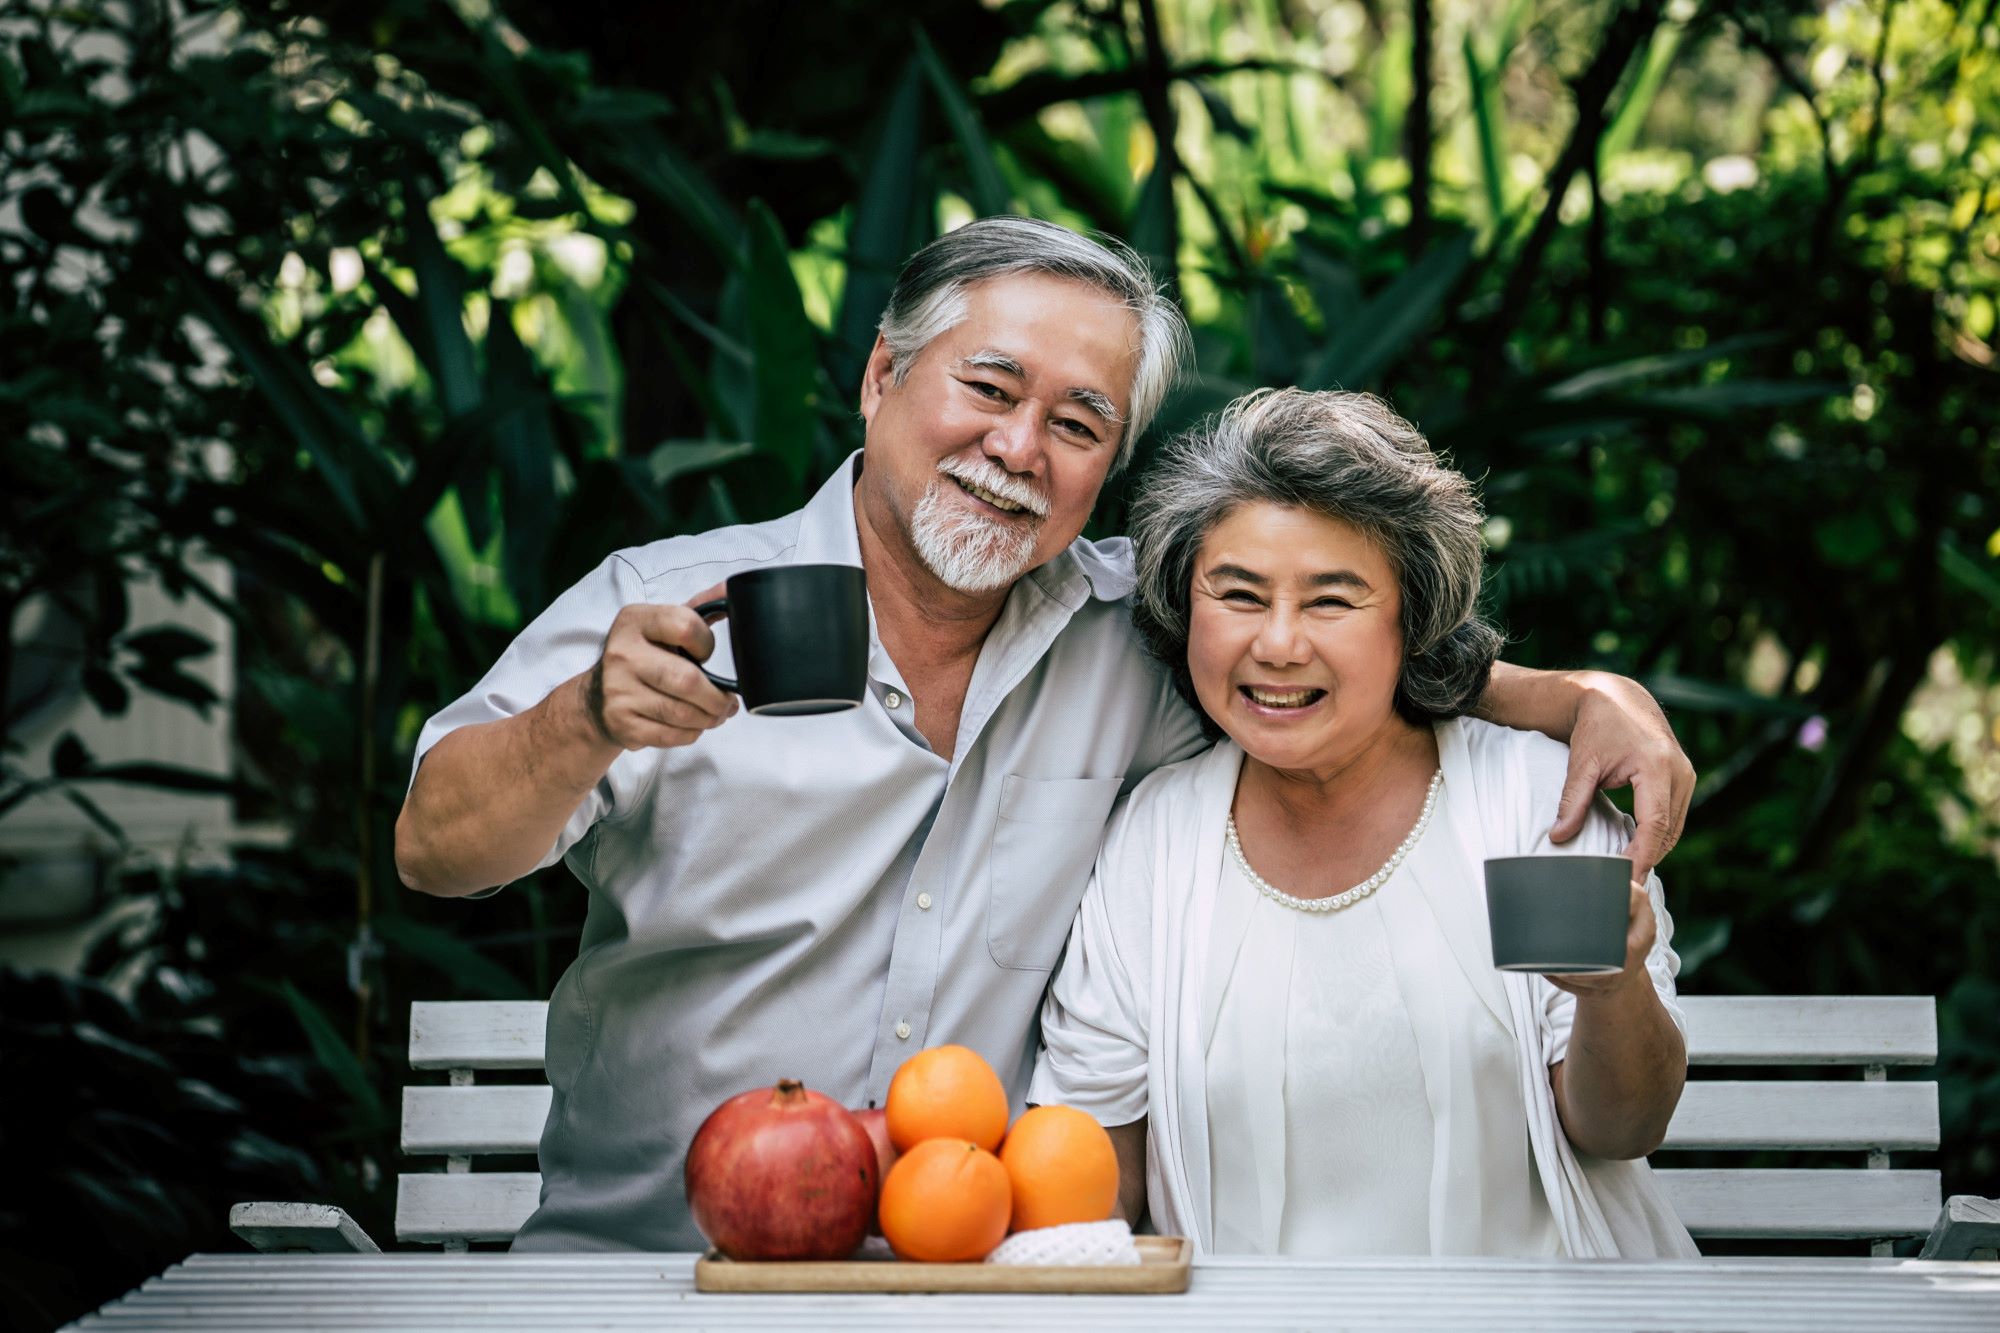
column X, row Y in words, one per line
column 1621, row 1080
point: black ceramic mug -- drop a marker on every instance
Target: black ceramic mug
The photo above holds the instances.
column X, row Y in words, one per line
column 799, row 634
column 1563, row 914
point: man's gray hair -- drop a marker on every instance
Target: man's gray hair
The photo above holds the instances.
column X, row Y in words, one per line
column 1347, row 456
column 929, row 299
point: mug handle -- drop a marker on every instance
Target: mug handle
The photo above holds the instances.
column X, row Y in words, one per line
column 712, row 612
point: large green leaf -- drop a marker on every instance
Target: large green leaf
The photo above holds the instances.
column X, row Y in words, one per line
column 666, row 177
column 1707, row 696
column 1152, row 219
column 785, row 348
column 441, row 302
column 1641, row 93
column 1090, row 182
column 172, row 777
column 339, row 451
column 1280, row 338
column 989, row 189
column 1489, row 131
column 1968, row 573
column 1617, row 374
column 464, row 965
column 1725, row 398
column 333, row 1054
column 1367, row 344
column 884, row 228
column 500, row 67
column 678, row 458
column 525, row 444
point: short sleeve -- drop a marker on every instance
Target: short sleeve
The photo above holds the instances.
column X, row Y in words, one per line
column 563, row 641
column 1094, row 1019
column 1606, row 830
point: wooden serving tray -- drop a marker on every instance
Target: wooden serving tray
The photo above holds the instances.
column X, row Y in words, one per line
column 1163, row 1267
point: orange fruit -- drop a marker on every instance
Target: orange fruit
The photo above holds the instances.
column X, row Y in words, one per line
column 946, row 1092
column 1062, row 1168
column 946, row 1201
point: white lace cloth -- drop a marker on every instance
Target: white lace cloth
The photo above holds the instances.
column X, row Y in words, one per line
column 1073, row 1245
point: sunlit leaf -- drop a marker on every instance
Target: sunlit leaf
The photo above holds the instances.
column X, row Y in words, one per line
column 321, row 426
column 678, row 458
column 1639, row 95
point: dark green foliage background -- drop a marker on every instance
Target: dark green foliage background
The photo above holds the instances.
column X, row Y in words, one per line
column 1717, row 423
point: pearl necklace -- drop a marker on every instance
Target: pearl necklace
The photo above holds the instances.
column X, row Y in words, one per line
column 1359, row 891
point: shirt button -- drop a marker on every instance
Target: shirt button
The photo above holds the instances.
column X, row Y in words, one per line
column 902, row 1032
column 893, row 699
column 923, row 902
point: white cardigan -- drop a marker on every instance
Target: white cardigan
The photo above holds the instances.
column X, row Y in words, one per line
column 1123, row 1026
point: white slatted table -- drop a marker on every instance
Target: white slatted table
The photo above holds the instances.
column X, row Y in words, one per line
column 299, row 1293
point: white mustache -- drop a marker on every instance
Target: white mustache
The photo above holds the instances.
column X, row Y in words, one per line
column 991, row 477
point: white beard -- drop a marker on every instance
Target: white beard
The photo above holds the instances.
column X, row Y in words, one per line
column 968, row 553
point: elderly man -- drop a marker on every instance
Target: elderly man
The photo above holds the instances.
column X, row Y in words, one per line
column 821, row 898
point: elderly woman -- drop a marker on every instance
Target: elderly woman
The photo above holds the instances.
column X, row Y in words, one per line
column 1280, row 991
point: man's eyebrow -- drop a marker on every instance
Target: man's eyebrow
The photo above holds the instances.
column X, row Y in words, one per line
column 988, row 359
column 1096, row 400
column 1331, row 578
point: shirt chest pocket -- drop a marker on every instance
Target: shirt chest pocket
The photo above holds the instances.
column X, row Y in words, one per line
column 1044, row 844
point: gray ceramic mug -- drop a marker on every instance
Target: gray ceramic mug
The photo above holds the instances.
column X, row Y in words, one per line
column 1564, row 914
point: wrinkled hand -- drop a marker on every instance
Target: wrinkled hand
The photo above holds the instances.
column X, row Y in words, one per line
column 1640, row 931
column 1621, row 739
column 646, row 689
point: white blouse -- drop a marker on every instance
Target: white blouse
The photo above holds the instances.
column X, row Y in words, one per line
column 1131, row 1017
column 1321, row 991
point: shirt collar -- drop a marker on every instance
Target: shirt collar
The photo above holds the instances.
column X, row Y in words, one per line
column 827, row 535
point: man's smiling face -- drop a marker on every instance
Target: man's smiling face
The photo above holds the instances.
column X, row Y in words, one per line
column 988, row 457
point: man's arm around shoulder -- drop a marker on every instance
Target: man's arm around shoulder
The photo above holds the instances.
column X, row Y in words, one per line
column 1617, row 737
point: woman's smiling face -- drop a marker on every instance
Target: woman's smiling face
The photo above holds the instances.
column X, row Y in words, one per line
column 1295, row 637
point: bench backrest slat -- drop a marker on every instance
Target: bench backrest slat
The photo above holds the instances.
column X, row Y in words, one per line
column 485, row 1205
column 1811, row 1029
column 478, row 1034
column 1855, row 1117
column 1810, row 1205
column 1722, row 1030
column 463, row 1122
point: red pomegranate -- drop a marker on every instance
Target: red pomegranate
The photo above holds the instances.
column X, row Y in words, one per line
column 876, row 1121
column 782, row 1173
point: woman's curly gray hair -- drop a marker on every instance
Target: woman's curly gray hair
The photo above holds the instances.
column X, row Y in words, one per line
column 1350, row 457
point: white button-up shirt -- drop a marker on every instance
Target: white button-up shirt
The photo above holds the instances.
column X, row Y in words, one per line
column 818, row 897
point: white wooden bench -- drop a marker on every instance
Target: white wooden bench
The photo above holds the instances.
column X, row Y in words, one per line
column 1875, row 1202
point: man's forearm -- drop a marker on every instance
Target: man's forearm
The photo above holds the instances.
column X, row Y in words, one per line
column 1530, row 700
column 1622, row 1078
column 489, row 800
